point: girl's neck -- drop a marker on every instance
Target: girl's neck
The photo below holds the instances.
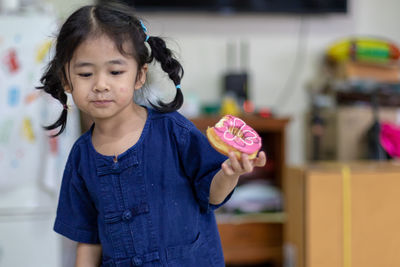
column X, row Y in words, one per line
column 111, row 137
column 118, row 128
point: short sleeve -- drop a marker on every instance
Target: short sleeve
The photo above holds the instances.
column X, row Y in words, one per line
column 76, row 214
column 201, row 162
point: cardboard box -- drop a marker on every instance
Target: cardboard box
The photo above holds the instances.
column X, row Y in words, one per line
column 384, row 73
column 343, row 215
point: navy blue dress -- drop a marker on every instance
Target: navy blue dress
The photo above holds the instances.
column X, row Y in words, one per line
column 150, row 207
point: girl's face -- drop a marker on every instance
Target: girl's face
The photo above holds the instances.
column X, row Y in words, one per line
column 102, row 80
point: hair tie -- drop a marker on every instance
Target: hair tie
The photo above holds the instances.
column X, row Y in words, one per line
column 144, row 27
column 144, row 30
column 65, row 106
column 178, row 86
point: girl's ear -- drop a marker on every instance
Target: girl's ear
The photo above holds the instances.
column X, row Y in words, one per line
column 65, row 83
column 141, row 77
column 67, row 88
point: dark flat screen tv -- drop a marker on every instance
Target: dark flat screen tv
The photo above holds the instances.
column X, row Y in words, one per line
column 240, row 6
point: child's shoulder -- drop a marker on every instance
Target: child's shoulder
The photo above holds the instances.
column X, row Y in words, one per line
column 84, row 138
column 81, row 145
column 174, row 118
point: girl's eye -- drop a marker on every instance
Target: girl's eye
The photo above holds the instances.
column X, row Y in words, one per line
column 85, row 74
column 116, row 72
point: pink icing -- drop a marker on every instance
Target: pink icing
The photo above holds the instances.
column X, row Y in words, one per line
column 245, row 140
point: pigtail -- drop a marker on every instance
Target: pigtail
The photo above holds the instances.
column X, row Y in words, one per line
column 170, row 65
column 52, row 85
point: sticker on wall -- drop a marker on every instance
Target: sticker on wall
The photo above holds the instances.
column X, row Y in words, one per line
column 11, row 61
column 5, row 131
column 13, row 96
column 42, row 51
column 27, row 130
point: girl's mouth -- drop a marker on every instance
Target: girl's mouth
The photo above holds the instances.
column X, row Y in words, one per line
column 101, row 103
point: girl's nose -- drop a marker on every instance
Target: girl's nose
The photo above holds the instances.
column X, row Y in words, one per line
column 101, row 84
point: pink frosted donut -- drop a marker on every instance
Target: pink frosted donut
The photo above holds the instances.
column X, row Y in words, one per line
column 233, row 134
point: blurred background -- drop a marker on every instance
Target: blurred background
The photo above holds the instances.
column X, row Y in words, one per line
column 319, row 80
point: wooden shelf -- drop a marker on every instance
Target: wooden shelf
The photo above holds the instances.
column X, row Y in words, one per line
column 254, row 239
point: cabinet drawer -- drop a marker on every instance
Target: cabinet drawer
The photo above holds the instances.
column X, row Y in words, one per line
column 251, row 243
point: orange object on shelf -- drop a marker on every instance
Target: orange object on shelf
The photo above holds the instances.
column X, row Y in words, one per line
column 248, row 106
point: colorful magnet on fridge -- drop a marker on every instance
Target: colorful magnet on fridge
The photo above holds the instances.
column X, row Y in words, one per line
column 5, row 130
column 31, row 97
column 42, row 51
column 13, row 96
column 11, row 61
column 28, row 130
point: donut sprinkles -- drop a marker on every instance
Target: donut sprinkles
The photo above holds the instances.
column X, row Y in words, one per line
column 233, row 134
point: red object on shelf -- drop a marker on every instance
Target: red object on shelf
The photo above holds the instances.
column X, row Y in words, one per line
column 265, row 112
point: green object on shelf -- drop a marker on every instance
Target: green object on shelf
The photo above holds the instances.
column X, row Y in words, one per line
column 211, row 109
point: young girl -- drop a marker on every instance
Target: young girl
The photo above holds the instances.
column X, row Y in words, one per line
column 140, row 187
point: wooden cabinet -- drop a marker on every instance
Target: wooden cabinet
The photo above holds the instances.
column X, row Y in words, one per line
column 256, row 239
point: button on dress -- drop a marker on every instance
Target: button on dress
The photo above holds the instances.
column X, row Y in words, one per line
column 150, row 206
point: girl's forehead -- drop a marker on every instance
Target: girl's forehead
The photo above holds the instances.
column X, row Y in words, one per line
column 102, row 46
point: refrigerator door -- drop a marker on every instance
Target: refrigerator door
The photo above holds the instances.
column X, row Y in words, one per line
column 31, row 163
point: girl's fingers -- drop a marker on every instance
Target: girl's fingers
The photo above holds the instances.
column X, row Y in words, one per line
column 246, row 163
column 261, row 159
column 233, row 166
column 226, row 169
column 236, row 166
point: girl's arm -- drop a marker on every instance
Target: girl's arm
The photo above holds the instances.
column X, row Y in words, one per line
column 227, row 178
column 88, row 255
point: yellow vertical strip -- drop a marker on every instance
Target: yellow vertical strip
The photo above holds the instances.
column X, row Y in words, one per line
column 346, row 183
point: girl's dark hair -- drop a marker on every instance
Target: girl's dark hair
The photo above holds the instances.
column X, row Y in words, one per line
column 119, row 23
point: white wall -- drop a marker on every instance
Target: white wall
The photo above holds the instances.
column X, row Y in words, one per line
column 275, row 41
column 65, row 8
